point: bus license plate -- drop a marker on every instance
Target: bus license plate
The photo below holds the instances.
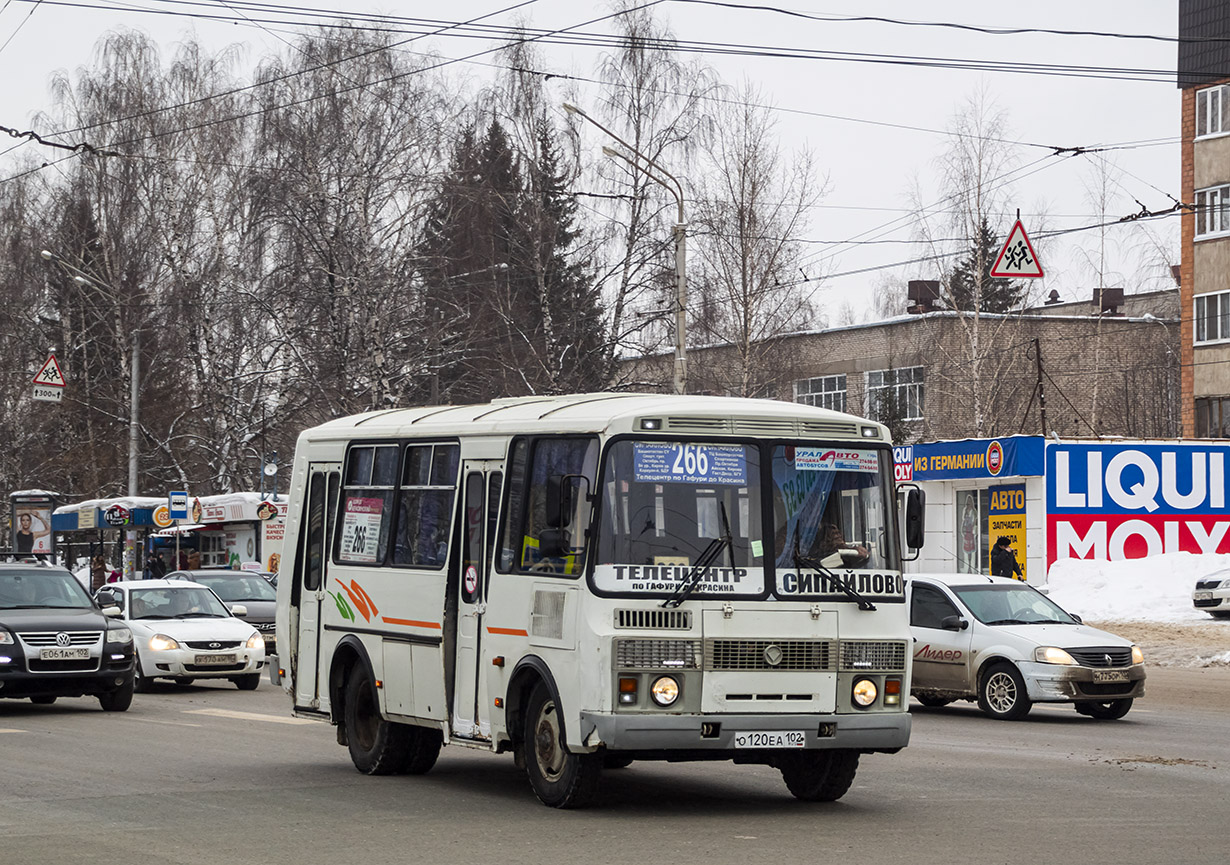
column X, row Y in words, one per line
column 787, row 739
column 1203, row 596
column 59, row 654
column 213, row 660
column 1110, row 675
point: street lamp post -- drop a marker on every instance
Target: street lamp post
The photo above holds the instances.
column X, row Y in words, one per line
column 680, row 231
column 83, row 279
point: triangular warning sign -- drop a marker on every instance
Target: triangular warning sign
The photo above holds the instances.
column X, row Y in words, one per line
column 1017, row 258
column 50, row 374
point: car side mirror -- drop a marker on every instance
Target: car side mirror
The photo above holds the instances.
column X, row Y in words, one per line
column 111, row 611
column 239, row 610
column 954, row 623
column 1077, row 618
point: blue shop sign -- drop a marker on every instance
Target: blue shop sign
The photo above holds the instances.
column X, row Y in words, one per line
column 1010, row 456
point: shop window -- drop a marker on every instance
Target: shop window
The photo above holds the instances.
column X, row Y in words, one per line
column 973, row 545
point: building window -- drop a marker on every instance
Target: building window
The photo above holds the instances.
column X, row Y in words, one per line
column 827, row 391
column 1212, row 317
column 1213, row 211
column 1212, row 111
column 1213, row 417
column 895, row 393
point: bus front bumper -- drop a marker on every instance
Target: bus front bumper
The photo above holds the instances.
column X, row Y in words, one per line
column 874, row 731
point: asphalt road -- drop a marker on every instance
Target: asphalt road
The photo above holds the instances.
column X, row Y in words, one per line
column 210, row 775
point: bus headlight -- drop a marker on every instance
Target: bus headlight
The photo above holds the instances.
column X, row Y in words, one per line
column 865, row 693
column 664, row 690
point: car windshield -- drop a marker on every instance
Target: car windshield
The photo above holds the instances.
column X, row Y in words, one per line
column 175, row 603
column 35, row 589
column 235, row 587
column 1012, row 605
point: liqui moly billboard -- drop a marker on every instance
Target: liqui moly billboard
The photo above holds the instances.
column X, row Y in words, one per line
column 1128, row 501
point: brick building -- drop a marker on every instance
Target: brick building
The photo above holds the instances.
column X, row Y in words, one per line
column 1105, row 374
column 1204, row 77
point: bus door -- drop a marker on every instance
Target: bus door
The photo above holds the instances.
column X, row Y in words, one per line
column 311, row 574
column 480, row 501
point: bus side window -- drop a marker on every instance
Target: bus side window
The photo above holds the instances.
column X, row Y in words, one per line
column 526, row 519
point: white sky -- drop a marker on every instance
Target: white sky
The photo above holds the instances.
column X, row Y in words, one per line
column 870, row 167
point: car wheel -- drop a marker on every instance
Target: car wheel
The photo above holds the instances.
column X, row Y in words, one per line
column 377, row 746
column 1220, row 614
column 559, row 778
column 141, row 683
column 43, row 700
column 819, row 776
column 932, row 701
column 1111, row 710
column 1001, row 694
column 247, row 682
column 118, row 700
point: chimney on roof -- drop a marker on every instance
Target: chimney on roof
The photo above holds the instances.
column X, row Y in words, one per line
column 1052, row 298
column 1106, row 301
column 1176, row 273
column 923, row 294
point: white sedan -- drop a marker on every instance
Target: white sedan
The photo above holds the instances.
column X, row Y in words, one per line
column 1005, row 644
column 183, row 631
column 1212, row 594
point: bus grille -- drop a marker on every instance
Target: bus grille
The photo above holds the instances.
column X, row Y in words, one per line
column 657, row 654
column 813, row 655
column 672, row 620
column 872, row 655
column 828, row 428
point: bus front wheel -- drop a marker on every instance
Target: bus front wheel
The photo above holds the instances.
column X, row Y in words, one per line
column 559, row 778
column 819, row 776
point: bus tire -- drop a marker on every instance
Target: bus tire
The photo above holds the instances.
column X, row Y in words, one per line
column 422, row 750
column 560, row 779
column 819, row 776
column 377, row 746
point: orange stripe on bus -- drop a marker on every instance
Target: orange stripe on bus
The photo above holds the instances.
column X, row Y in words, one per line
column 512, row 632
column 411, row 622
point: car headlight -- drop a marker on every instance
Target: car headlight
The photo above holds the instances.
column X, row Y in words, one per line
column 1225, row 584
column 256, row 641
column 1053, row 655
column 6, row 639
column 1138, row 657
column 161, row 643
column 864, row 693
column 664, row 690
column 119, row 635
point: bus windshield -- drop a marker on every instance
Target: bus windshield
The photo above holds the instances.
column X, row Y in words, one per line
column 666, row 504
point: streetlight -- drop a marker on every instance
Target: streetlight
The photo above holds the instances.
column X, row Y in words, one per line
column 680, row 231
column 84, row 280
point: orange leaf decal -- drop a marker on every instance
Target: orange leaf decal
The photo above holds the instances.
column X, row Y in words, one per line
column 356, row 598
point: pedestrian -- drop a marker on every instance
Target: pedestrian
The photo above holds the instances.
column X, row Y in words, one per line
column 98, row 572
column 157, row 567
column 1003, row 559
column 114, row 577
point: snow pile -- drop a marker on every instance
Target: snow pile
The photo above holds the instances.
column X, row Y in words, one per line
column 1156, row 589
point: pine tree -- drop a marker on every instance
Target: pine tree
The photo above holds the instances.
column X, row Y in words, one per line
column 997, row 293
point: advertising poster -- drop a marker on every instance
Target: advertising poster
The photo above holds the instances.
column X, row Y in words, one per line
column 31, row 528
column 1006, row 518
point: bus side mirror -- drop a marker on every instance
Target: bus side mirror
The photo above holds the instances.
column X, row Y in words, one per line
column 559, row 501
column 553, row 543
column 915, row 505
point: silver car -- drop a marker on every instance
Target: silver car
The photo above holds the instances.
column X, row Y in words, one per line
column 1212, row 594
column 1005, row 644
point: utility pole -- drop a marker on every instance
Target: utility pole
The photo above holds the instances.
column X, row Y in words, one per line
column 680, row 232
column 1041, row 392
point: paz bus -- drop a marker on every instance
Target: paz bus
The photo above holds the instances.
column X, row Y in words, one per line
column 589, row 580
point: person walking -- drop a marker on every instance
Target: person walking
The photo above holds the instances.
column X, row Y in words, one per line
column 1003, row 559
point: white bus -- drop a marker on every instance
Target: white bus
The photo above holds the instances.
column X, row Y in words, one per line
column 589, row 580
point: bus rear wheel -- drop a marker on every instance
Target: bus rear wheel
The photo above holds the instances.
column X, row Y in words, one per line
column 819, row 776
column 559, row 778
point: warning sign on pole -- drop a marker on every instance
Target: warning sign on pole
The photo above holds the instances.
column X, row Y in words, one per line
column 1017, row 258
column 49, row 382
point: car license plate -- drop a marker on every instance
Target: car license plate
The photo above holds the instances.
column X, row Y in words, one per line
column 213, row 660
column 59, row 654
column 786, row 739
column 1110, row 675
column 1203, row 596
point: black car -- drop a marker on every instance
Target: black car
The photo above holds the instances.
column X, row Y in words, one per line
column 56, row 642
column 245, row 588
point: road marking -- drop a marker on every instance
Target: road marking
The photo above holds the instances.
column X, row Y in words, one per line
column 249, row 716
column 5, row 730
column 168, row 723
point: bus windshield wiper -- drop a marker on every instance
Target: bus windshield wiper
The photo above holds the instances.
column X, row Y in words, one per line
column 706, row 558
column 802, row 561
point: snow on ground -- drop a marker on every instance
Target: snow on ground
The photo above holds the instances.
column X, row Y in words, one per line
column 1156, row 589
